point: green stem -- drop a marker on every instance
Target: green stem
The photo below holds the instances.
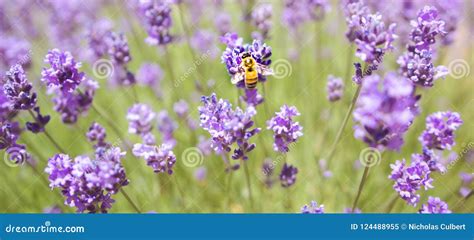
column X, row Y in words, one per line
column 391, row 204
column 361, row 186
column 344, row 123
column 130, row 200
column 171, row 72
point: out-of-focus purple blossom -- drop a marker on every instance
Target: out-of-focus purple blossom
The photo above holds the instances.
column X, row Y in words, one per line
column 313, row 208
column 97, row 35
column 467, row 180
column 295, row 13
column 63, row 73
column 160, row 158
column 258, row 50
column 268, row 170
column 231, row 40
column 97, row 134
column 86, row 183
column 151, row 74
column 156, row 16
column 166, row 126
column 450, row 11
column 434, row 205
column 383, row 115
column 334, row 88
column 440, row 128
column 285, row 130
column 261, row 18
column 118, row 48
column 14, row 51
column 409, row 179
column 288, row 175
column 140, row 119
column 349, row 210
column 204, row 41
column 200, row 174
column 323, row 166
column 416, row 64
column 5, row 106
column 53, row 209
column 223, row 23
column 39, row 122
column 181, row 108
column 72, row 104
column 252, row 97
column 17, row 88
column 318, row 9
column 205, row 145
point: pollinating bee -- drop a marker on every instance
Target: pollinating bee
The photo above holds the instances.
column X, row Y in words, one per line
column 249, row 70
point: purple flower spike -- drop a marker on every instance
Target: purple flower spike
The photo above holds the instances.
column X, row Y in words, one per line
column 285, row 130
column 64, row 72
column 288, row 175
column 409, row 179
column 39, row 123
column 18, row 90
column 140, row 117
column 313, row 208
column 97, row 135
column 383, row 115
column 440, row 128
column 156, row 16
column 252, row 97
column 161, row 158
column 261, row 18
column 334, row 88
column 434, row 205
column 166, row 126
column 241, row 127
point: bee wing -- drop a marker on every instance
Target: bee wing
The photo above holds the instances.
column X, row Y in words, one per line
column 264, row 70
column 239, row 76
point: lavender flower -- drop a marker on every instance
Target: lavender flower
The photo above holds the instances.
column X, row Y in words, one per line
column 223, row 23
column 150, row 75
column 64, row 72
column 416, row 64
column 434, row 205
column 9, row 133
column 439, row 132
column 313, row 208
column 18, row 89
column 166, row 126
column 295, row 13
column 156, row 16
column 161, row 159
column 227, row 126
column 241, row 125
column 88, row 184
column 285, row 130
column 466, row 184
column 261, row 19
column 140, row 117
column 97, row 135
column 288, row 175
column 71, row 104
column 252, row 97
column 14, row 51
column 383, row 115
column 96, row 37
column 334, row 88
column 430, row 157
column 39, row 123
column 231, row 40
column 120, row 54
column 409, row 179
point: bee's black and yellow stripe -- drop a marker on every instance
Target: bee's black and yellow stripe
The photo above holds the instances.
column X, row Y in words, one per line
column 251, row 78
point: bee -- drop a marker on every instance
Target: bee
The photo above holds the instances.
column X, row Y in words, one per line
column 249, row 70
